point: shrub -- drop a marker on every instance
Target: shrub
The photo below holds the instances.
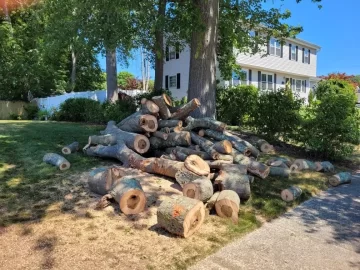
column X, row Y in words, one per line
column 81, row 110
column 31, row 111
column 43, row 115
column 119, row 110
column 334, row 86
column 235, row 105
column 277, row 114
column 15, row 116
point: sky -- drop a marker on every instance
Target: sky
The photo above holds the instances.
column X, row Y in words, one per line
column 335, row 28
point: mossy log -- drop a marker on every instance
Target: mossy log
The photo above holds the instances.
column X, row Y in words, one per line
column 181, row 215
column 264, row 146
column 324, row 166
column 197, row 165
column 138, row 122
column 136, row 142
column 71, row 148
column 303, row 164
column 174, row 139
column 227, row 205
column 240, row 158
column 161, row 102
column 291, row 193
column 340, row 178
column 210, row 204
column 186, row 109
column 200, row 189
column 234, row 180
column 231, row 137
column 161, row 135
column 170, row 123
column 189, row 151
column 223, row 147
column 259, row 169
column 236, row 142
column 193, row 123
column 279, row 171
column 57, row 160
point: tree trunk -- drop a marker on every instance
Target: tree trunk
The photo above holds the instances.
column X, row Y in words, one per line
column 149, row 107
column 56, row 160
column 324, row 166
column 186, row 109
column 234, row 180
column 279, row 171
column 200, row 189
column 163, row 108
column 192, row 123
column 138, row 122
column 197, row 165
column 264, row 146
column 290, row 194
column 181, row 215
column 227, row 205
column 202, row 75
column 71, row 148
column 174, row 139
column 73, row 68
column 259, row 169
column 340, row 178
column 111, row 75
column 159, row 46
column 170, row 123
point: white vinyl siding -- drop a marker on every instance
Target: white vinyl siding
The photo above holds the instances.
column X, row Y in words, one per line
column 275, row 47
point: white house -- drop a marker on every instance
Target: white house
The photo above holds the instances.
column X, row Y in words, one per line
column 295, row 61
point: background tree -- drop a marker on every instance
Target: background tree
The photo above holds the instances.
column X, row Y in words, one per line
column 342, row 76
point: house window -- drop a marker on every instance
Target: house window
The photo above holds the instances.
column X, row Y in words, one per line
column 240, row 78
column 172, row 53
column 267, row 82
column 293, row 53
column 172, row 81
column 306, row 56
column 303, row 86
column 275, row 47
column 298, row 85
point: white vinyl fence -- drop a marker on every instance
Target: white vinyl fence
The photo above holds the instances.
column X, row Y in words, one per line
column 53, row 103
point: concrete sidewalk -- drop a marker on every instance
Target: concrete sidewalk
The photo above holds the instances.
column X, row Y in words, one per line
column 322, row 233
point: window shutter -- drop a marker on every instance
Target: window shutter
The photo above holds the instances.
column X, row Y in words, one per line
column 282, row 50
column 275, row 81
column 167, row 53
column 303, row 56
column 250, row 76
column 259, row 79
column 268, row 47
column 177, row 51
column 167, row 82
column 178, row 81
column 297, row 53
column 289, row 51
column 309, row 56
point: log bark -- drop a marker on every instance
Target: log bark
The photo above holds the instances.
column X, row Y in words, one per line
column 206, row 145
column 170, row 123
column 180, row 156
column 161, row 135
column 340, row 178
column 136, row 142
column 71, row 148
column 181, row 215
column 56, row 160
column 163, row 108
column 233, row 138
column 197, row 165
column 217, row 164
column 210, row 204
column 138, row 122
column 291, row 193
column 240, row 158
column 259, row 169
column 200, row 189
column 264, row 146
column 171, row 129
column 111, row 75
column 324, row 166
column 186, row 109
column 237, row 144
column 227, row 205
column 233, row 179
column 279, row 171
column 102, row 179
column 209, row 123
column 223, row 147
column 189, row 151
column 184, row 176
column 174, row 139
column 303, row 164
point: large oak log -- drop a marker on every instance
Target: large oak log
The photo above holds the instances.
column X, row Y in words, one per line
column 279, row 171
column 102, row 179
column 264, row 146
column 340, row 178
column 259, row 169
column 197, row 165
column 71, row 148
column 186, row 109
column 240, row 158
column 200, row 189
column 138, row 122
column 303, row 164
column 206, row 145
column 232, row 179
column 170, row 123
column 184, row 176
column 161, row 102
column 189, row 152
column 171, row 129
column 276, row 161
column 324, row 166
column 193, row 123
column 233, row 138
column 227, row 205
column 174, row 139
column 291, row 193
column 237, row 144
column 181, row 215
column 56, row 160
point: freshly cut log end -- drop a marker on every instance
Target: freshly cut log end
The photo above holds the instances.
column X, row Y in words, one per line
column 186, row 109
column 324, row 166
column 57, row 160
column 167, row 100
column 227, row 205
column 181, row 215
column 340, row 178
column 291, row 193
column 264, row 146
column 259, row 169
column 294, row 168
column 279, row 171
column 223, row 147
column 71, row 148
column 200, row 189
column 279, row 161
column 141, row 144
column 130, row 195
column 163, row 108
column 197, row 165
column 170, row 123
column 149, row 107
column 236, row 141
column 201, row 133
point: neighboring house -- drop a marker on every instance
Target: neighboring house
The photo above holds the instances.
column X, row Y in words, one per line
column 295, row 61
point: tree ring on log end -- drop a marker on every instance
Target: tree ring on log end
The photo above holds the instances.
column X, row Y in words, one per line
column 194, row 219
column 141, row 144
column 167, row 100
column 66, row 150
column 227, row 209
column 190, row 193
column 151, row 124
column 143, row 121
column 197, row 165
column 132, row 202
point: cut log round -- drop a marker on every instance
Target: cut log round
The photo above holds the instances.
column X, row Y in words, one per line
column 186, row 109
column 193, row 123
column 71, row 148
column 163, row 108
column 264, row 146
column 303, row 164
column 340, row 178
column 197, row 165
column 291, row 193
column 210, row 204
column 240, row 158
column 56, row 160
column 223, row 147
column 227, row 205
column 189, row 151
column 181, row 215
column 174, row 139
column 234, row 180
column 233, row 138
column 138, row 122
column 279, row 171
column 170, row 123
column 201, row 133
column 184, row 176
column 130, row 195
column 259, row 169
column 324, row 166
column 149, row 107
column 200, row 189
column 161, row 135
column 276, row 161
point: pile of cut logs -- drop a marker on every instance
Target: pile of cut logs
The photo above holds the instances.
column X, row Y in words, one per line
column 214, row 168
